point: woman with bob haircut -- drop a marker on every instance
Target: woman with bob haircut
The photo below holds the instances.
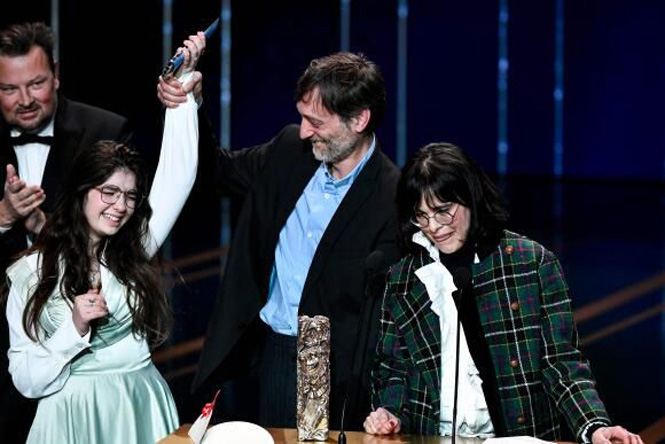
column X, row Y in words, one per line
column 85, row 304
column 520, row 368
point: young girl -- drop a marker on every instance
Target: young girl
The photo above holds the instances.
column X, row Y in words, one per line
column 85, row 304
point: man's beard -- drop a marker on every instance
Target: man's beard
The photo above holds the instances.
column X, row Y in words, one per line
column 335, row 150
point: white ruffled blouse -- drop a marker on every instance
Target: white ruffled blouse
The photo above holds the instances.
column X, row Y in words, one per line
column 473, row 418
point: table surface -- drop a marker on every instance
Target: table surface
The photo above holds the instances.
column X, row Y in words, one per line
column 289, row 436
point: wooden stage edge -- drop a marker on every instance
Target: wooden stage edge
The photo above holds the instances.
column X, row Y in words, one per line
column 289, row 436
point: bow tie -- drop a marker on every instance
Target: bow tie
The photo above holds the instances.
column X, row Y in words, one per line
column 25, row 139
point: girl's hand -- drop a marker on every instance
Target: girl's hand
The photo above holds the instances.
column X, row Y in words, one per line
column 88, row 307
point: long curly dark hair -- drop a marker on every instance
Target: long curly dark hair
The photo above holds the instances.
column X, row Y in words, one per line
column 64, row 246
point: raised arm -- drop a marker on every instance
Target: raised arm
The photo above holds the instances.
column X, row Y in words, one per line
column 231, row 171
column 178, row 159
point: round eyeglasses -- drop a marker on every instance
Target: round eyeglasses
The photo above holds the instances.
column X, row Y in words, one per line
column 441, row 216
column 110, row 194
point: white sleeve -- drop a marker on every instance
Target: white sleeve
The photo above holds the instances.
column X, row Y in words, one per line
column 39, row 369
column 176, row 171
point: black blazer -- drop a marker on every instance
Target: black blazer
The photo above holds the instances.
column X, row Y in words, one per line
column 270, row 178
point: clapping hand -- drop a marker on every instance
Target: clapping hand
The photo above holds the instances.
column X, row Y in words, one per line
column 20, row 199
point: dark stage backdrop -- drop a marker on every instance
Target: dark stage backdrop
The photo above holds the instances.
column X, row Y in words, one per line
column 613, row 60
column 605, row 219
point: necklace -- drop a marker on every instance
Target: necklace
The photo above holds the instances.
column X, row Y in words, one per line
column 95, row 277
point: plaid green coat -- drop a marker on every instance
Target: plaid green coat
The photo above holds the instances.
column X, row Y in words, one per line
column 525, row 312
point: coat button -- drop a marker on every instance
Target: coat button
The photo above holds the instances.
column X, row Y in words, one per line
column 509, row 249
column 515, row 306
column 521, row 419
column 514, row 363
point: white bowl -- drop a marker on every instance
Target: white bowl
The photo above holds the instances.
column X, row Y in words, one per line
column 237, row 432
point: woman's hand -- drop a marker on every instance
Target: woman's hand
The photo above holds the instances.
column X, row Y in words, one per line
column 382, row 422
column 88, row 307
column 609, row 435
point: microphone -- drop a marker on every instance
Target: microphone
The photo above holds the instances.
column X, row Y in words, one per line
column 174, row 62
column 462, row 280
column 375, row 264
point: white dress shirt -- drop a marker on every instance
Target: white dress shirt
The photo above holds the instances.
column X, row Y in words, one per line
column 473, row 417
column 32, row 157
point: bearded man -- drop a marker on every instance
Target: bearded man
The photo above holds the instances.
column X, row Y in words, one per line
column 316, row 201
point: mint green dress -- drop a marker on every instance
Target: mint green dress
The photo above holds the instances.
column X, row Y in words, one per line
column 112, row 392
column 102, row 388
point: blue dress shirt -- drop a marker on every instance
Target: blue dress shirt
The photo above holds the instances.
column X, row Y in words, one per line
column 298, row 241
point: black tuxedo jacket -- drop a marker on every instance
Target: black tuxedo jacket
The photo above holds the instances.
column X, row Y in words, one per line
column 270, row 178
column 76, row 127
